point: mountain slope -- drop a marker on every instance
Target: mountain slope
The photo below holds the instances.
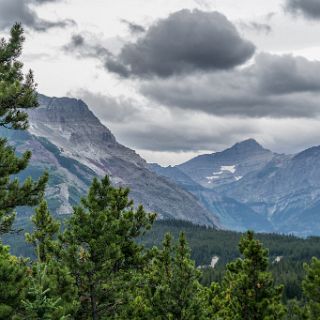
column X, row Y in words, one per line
column 71, row 143
column 287, row 190
column 230, row 165
column 248, row 186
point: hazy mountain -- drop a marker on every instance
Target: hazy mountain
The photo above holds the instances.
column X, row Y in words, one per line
column 68, row 140
column 220, row 168
column 286, row 190
column 202, row 175
column 249, row 186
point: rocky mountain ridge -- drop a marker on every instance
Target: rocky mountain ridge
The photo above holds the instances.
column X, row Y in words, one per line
column 250, row 187
column 69, row 141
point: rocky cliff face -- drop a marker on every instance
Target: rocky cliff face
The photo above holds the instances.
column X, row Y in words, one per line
column 70, row 142
column 250, row 187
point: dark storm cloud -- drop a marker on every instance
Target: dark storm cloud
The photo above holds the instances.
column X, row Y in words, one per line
column 134, row 27
column 82, row 48
column 20, row 11
column 309, row 8
column 184, row 42
column 286, row 74
column 274, row 86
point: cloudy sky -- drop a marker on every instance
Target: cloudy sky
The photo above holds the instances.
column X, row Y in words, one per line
column 176, row 78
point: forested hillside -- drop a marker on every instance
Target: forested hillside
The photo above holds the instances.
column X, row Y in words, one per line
column 287, row 254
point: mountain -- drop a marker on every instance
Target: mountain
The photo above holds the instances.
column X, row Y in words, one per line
column 250, row 187
column 243, row 187
column 287, row 190
column 225, row 167
column 203, row 175
column 68, row 140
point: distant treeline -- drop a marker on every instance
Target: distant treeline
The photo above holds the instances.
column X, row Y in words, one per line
column 206, row 242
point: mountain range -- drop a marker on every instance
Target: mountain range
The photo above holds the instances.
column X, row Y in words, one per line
column 243, row 187
column 69, row 141
column 250, row 187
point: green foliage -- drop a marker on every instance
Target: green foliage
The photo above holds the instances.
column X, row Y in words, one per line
column 46, row 228
column 39, row 303
column 100, row 247
column 296, row 311
column 13, row 282
column 53, row 293
column 170, row 286
column 207, row 242
column 311, row 288
column 248, row 287
column 16, row 94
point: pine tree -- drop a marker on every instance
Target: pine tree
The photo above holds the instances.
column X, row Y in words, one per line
column 43, row 236
column 101, row 248
column 296, row 311
column 311, row 288
column 248, row 288
column 40, row 305
column 17, row 93
column 170, row 286
column 53, row 292
column 13, row 283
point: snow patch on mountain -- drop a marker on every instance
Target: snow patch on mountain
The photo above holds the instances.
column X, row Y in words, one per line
column 223, row 169
column 231, row 169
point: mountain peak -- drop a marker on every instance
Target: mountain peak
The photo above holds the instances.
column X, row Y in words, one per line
column 62, row 109
column 249, row 145
column 69, row 120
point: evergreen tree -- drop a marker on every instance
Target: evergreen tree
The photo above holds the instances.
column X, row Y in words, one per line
column 170, row 287
column 43, row 236
column 40, row 305
column 311, row 288
column 17, row 93
column 53, row 292
column 248, row 288
column 296, row 311
column 101, row 248
column 13, row 283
